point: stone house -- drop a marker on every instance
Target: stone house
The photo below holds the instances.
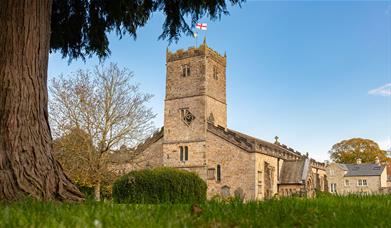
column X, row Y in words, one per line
column 195, row 137
column 357, row 178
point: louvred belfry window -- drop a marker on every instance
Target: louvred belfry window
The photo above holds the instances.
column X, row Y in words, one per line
column 186, row 70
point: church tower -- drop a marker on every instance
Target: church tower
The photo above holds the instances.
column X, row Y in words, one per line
column 195, row 95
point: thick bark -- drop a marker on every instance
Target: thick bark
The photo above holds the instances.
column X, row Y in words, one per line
column 27, row 166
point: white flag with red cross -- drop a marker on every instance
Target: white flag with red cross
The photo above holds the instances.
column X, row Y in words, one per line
column 202, row 26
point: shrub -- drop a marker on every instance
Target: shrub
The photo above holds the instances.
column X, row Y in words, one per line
column 160, row 185
column 89, row 192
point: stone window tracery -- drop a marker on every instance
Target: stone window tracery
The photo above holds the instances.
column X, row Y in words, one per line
column 186, row 116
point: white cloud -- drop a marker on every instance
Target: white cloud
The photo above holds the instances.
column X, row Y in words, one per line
column 384, row 90
column 385, row 144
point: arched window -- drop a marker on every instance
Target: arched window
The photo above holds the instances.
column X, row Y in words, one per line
column 218, row 173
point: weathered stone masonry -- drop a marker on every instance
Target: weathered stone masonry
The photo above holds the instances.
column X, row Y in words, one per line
column 195, row 124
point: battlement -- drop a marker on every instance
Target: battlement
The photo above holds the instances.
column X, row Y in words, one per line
column 318, row 165
column 252, row 144
column 202, row 50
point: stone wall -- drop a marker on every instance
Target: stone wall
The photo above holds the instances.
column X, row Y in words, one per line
column 149, row 156
column 336, row 175
column 196, row 156
column 178, row 86
column 237, row 168
column 175, row 130
column 218, row 110
column 319, row 178
column 290, row 189
column 266, row 175
column 215, row 80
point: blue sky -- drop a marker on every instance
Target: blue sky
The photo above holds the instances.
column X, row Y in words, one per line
column 313, row 73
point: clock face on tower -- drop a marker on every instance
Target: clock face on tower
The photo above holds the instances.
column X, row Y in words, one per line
column 186, row 116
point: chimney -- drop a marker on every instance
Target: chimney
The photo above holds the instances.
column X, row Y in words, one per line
column 377, row 160
column 358, row 161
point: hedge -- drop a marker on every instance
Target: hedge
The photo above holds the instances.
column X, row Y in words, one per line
column 159, row 185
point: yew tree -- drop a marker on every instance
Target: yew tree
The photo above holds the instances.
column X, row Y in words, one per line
column 29, row 29
column 348, row 151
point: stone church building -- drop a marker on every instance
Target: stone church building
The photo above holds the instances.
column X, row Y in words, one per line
column 195, row 137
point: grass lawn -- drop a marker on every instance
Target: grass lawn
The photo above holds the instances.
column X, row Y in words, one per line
column 352, row 211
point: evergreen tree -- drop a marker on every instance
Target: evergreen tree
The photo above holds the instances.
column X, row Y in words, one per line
column 29, row 29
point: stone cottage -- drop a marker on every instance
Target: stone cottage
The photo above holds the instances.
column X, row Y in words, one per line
column 357, row 178
column 195, row 137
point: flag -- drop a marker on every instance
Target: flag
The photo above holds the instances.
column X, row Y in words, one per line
column 202, row 26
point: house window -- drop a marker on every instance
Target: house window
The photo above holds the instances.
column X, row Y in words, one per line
column 347, row 183
column 184, row 153
column 362, row 182
column 215, row 74
column 211, row 174
column 333, row 187
column 332, row 173
column 218, row 173
column 186, row 70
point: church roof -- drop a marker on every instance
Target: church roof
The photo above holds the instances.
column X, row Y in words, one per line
column 294, row 171
column 126, row 155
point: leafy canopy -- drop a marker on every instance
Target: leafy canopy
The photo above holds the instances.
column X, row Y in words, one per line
column 348, row 151
column 80, row 27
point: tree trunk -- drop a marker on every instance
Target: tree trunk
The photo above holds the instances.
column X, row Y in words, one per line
column 27, row 166
column 97, row 191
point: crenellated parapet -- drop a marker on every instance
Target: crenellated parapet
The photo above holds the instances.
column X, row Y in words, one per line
column 252, row 144
column 317, row 165
column 202, row 50
column 255, row 145
column 231, row 136
column 153, row 138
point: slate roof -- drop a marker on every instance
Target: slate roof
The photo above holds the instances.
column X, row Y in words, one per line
column 363, row 169
column 294, row 171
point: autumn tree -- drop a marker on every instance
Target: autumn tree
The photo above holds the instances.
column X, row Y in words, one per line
column 348, row 151
column 102, row 110
column 71, row 150
column 29, row 29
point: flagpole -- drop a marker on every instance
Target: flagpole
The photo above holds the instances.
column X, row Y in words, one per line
column 195, row 35
column 202, row 27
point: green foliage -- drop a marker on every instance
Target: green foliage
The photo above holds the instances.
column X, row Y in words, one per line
column 86, row 190
column 89, row 192
column 160, row 185
column 332, row 211
column 320, row 194
column 80, row 27
column 348, row 151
